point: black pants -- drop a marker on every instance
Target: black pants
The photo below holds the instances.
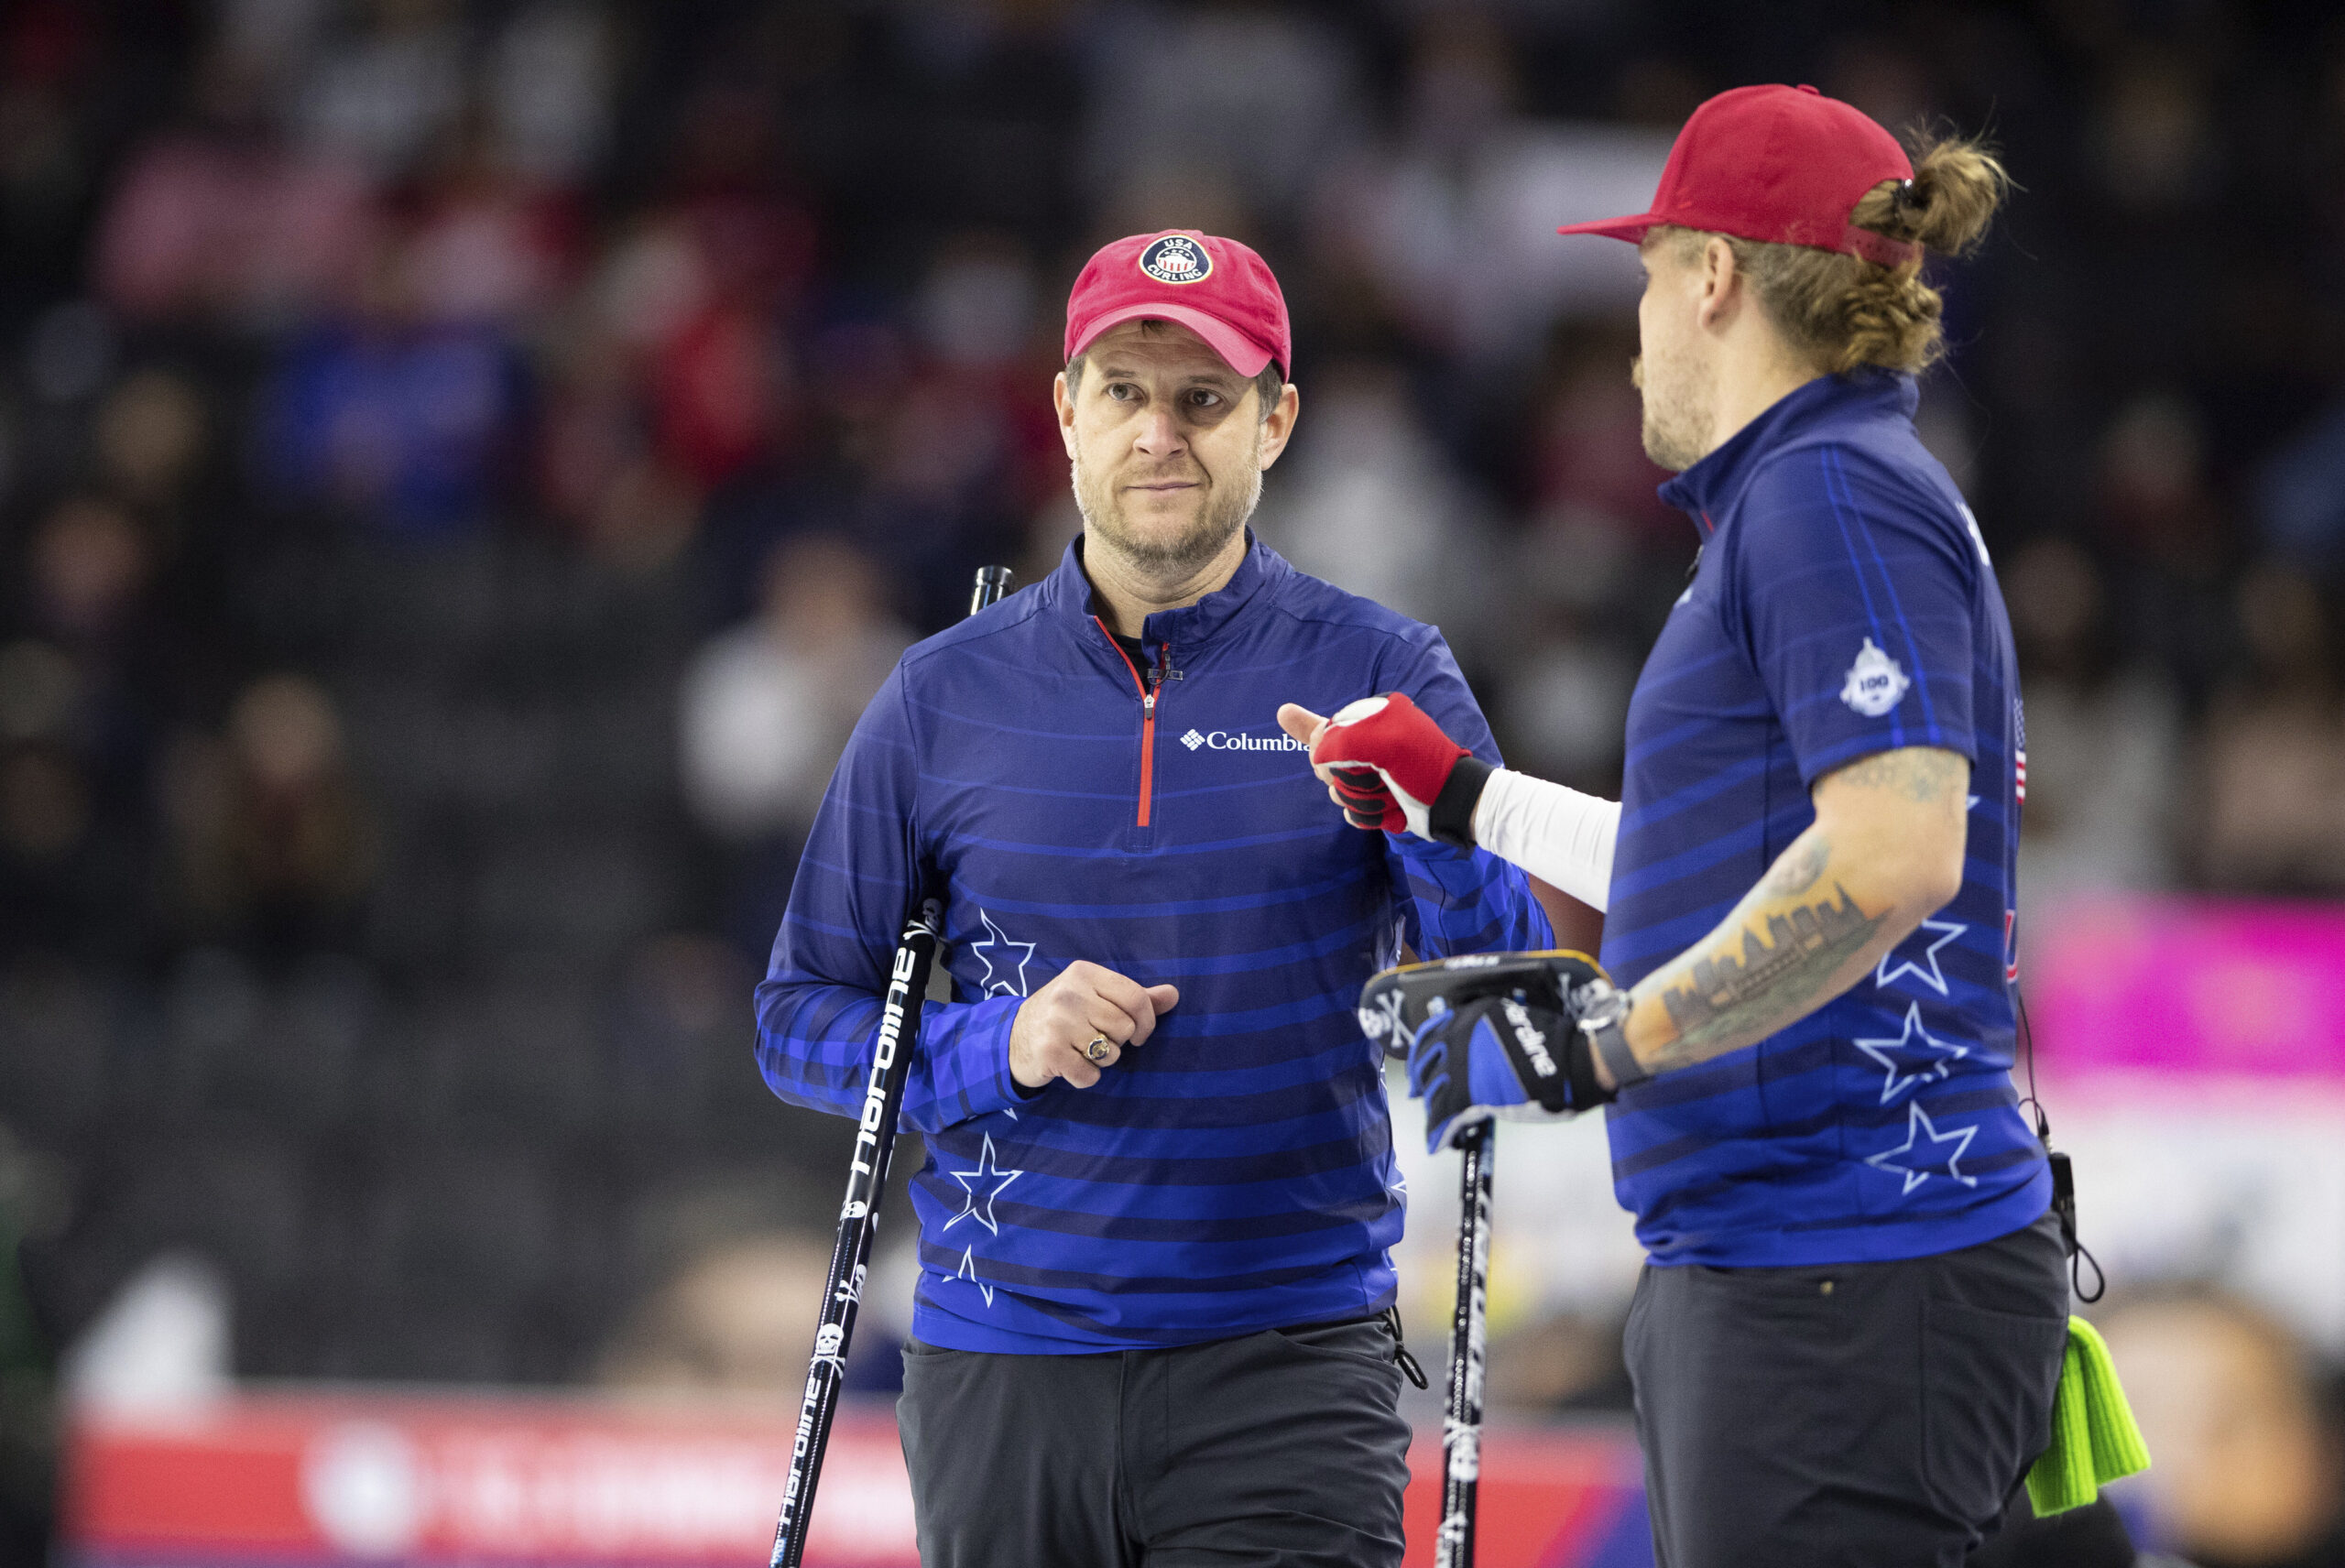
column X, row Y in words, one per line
column 1876, row 1415
column 1281, row 1448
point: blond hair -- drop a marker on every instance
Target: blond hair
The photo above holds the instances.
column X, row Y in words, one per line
column 1843, row 312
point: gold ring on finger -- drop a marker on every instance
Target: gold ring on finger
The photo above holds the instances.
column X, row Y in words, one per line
column 1099, row 1047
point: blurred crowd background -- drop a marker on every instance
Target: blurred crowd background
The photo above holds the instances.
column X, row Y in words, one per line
column 464, row 463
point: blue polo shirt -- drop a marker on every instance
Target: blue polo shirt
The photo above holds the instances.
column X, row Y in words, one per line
column 1843, row 605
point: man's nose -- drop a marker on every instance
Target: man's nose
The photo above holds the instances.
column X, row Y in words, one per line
column 1159, row 434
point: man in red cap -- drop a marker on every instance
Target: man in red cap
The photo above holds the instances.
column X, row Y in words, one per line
column 1155, row 1319
column 1846, row 1337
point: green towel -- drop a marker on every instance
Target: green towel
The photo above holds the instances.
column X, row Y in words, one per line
column 2094, row 1440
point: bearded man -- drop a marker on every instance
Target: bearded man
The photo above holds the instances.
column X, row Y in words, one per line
column 1846, row 1342
column 1153, row 1321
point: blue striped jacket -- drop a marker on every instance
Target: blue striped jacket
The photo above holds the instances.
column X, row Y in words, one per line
column 1236, row 1172
column 1844, row 604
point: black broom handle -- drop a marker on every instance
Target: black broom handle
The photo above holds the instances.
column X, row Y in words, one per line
column 867, row 1179
column 1461, row 1427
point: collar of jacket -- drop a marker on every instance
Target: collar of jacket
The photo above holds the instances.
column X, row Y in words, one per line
column 1708, row 490
column 1067, row 599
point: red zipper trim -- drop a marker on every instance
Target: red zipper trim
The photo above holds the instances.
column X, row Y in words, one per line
column 1147, row 722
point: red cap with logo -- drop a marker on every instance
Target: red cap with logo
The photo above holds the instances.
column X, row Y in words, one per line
column 1217, row 289
column 1779, row 165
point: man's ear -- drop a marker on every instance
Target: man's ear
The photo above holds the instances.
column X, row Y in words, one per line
column 1063, row 400
column 1720, row 278
column 1278, row 429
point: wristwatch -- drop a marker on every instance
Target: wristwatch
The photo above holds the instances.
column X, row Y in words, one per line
column 1604, row 1020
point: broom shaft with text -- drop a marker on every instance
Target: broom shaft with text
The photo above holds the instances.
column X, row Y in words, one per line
column 867, row 1179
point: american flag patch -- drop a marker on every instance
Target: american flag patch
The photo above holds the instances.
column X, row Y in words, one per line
column 2021, row 758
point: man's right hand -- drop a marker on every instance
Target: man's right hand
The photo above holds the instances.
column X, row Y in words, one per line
column 1084, row 1003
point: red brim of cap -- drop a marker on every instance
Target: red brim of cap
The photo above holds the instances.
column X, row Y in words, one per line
column 1629, row 229
column 1242, row 353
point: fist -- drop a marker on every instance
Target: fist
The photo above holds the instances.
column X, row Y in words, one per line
column 1087, row 1002
column 1389, row 765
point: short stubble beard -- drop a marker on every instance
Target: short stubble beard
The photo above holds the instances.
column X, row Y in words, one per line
column 1224, row 513
column 1677, row 411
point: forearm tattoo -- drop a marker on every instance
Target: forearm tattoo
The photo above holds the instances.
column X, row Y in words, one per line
column 1776, row 956
column 1723, row 998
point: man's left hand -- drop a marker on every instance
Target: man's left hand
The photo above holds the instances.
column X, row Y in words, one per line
column 1491, row 1035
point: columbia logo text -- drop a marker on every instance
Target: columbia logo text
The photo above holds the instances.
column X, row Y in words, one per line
column 1226, row 740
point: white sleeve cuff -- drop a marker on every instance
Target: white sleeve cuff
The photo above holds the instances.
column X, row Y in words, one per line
column 1559, row 835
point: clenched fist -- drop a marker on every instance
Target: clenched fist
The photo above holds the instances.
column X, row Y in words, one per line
column 1084, row 1003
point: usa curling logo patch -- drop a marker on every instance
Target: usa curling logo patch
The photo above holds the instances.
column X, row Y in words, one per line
column 1176, row 259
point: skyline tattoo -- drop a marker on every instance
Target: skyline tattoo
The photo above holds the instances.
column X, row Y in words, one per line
column 1723, row 995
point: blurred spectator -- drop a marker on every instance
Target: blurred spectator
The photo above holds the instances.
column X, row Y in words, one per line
column 2275, row 754
column 273, row 842
column 1259, row 93
column 2301, row 492
column 735, row 1319
column 219, row 219
column 2243, row 1430
column 1565, row 706
column 2169, row 534
column 1368, row 503
column 2104, row 734
column 90, row 564
column 488, row 246
column 767, row 706
column 383, row 94
column 410, row 424
column 151, row 433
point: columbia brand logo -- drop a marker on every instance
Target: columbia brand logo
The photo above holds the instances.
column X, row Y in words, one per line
column 1228, row 740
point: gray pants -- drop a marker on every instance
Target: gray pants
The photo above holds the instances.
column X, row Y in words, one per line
column 1871, row 1415
column 1281, row 1448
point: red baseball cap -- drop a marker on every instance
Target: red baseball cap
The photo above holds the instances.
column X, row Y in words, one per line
column 1781, row 165
column 1217, row 289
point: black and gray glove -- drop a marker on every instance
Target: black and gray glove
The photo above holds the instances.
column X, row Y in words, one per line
column 1496, row 1034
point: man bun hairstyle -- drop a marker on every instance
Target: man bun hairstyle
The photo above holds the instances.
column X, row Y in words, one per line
column 1844, row 313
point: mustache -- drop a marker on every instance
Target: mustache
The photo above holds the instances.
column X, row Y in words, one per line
column 1169, row 476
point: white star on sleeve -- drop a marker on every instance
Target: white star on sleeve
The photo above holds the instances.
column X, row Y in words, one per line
column 1935, row 978
column 1918, row 1129
column 1009, row 979
column 1913, row 1044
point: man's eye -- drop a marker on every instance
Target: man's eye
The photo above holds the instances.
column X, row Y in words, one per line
column 1122, row 391
column 1202, row 398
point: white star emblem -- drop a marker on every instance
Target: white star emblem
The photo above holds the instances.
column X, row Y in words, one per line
column 1919, row 1128
column 983, row 1175
column 1914, row 1042
column 1010, row 980
column 968, row 1271
column 1936, row 979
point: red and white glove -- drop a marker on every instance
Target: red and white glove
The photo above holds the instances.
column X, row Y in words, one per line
column 1391, row 767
